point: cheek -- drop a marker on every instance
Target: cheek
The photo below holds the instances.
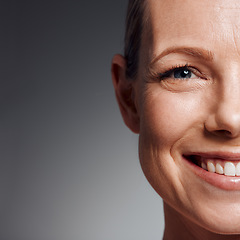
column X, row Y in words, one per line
column 168, row 116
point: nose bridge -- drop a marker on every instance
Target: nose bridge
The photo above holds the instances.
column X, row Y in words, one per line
column 225, row 117
column 228, row 109
column 229, row 91
column 229, row 96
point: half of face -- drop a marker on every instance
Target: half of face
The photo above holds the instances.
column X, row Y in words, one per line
column 185, row 106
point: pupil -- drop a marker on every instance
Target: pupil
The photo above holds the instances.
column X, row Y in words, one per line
column 182, row 73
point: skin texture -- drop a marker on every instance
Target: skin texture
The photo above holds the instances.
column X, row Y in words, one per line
column 174, row 117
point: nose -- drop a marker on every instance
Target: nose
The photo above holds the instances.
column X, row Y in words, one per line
column 224, row 119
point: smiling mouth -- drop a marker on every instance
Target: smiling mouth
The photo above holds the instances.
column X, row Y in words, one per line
column 216, row 164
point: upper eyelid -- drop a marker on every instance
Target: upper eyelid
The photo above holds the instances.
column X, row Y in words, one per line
column 153, row 71
column 170, row 71
column 201, row 55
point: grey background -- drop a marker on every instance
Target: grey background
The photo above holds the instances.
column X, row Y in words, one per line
column 69, row 167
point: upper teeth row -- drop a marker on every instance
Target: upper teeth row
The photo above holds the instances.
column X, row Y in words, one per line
column 229, row 168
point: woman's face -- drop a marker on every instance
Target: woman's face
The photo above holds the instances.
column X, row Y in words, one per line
column 188, row 100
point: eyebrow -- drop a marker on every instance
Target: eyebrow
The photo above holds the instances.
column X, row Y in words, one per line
column 194, row 52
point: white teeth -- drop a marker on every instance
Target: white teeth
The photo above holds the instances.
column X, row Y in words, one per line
column 229, row 169
column 216, row 166
column 204, row 166
column 219, row 168
column 210, row 166
column 238, row 170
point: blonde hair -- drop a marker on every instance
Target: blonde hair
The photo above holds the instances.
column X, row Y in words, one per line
column 133, row 35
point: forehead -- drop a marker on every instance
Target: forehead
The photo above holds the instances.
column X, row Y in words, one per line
column 205, row 23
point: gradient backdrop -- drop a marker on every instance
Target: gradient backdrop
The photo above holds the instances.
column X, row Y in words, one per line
column 69, row 167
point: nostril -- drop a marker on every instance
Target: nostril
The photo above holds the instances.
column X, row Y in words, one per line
column 223, row 133
column 223, row 123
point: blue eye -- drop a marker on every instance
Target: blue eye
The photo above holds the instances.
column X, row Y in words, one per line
column 182, row 73
column 178, row 73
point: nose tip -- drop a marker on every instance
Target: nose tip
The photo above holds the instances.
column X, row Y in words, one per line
column 225, row 122
column 224, row 104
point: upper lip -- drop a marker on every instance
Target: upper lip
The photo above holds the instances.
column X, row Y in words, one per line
column 231, row 156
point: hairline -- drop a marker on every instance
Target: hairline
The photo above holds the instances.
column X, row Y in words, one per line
column 136, row 22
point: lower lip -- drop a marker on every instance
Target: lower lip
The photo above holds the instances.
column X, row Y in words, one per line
column 217, row 180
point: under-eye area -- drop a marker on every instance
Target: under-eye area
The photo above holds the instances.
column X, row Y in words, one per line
column 216, row 165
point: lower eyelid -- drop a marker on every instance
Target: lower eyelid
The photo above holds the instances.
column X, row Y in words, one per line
column 169, row 73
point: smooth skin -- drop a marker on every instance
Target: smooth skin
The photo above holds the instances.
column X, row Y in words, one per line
column 174, row 116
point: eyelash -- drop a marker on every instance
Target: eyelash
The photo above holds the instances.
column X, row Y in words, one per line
column 169, row 72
